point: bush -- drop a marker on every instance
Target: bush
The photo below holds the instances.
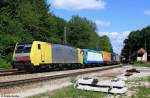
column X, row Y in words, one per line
column 4, row 64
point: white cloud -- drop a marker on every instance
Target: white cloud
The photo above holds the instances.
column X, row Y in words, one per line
column 101, row 23
column 116, row 39
column 147, row 12
column 78, row 4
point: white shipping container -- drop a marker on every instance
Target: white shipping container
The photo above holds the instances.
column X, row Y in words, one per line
column 94, row 56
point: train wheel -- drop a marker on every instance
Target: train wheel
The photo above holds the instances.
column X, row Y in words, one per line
column 82, row 66
column 30, row 69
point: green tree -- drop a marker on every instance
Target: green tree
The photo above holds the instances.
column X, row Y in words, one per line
column 135, row 41
column 26, row 20
column 82, row 33
column 105, row 44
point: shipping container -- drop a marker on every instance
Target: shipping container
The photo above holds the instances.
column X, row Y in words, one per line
column 118, row 58
column 92, row 57
column 106, row 56
column 115, row 58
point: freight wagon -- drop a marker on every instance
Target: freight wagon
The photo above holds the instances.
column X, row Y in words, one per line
column 43, row 55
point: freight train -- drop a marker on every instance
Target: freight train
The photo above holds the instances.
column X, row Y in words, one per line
column 43, row 55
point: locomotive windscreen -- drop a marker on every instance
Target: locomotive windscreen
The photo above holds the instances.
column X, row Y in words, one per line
column 23, row 48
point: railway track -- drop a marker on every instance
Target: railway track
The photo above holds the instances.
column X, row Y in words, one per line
column 10, row 72
column 56, row 76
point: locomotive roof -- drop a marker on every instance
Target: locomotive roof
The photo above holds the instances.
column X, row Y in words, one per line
column 22, row 43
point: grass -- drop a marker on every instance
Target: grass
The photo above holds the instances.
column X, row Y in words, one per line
column 148, row 79
column 142, row 64
column 4, row 64
column 142, row 90
column 70, row 92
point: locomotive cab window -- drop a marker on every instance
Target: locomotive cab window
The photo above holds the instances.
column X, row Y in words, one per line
column 23, row 48
column 39, row 46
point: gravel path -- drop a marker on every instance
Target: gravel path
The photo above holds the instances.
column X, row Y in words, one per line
column 49, row 86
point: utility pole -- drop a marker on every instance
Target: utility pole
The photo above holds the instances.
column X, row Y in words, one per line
column 130, row 55
column 145, row 54
column 65, row 38
column 145, row 38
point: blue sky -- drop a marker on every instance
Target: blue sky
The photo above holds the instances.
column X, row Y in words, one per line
column 115, row 18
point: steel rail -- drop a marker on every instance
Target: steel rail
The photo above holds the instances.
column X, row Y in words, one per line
column 7, row 70
column 11, row 72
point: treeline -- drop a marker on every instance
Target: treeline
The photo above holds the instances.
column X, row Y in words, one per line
column 134, row 42
column 28, row 20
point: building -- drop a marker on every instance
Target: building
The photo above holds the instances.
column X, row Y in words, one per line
column 142, row 55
